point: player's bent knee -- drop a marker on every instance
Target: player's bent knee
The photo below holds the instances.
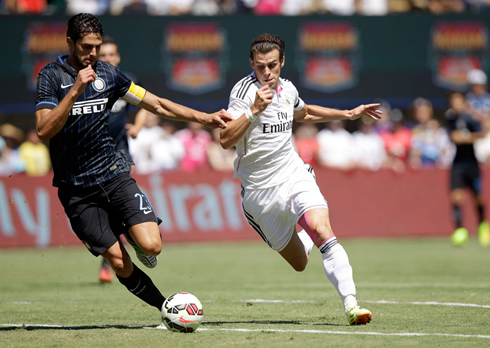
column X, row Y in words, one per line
column 299, row 268
column 153, row 248
column 323, row 235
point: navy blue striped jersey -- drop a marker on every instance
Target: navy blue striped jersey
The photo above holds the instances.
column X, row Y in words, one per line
column 118, row 118
column 82, row 152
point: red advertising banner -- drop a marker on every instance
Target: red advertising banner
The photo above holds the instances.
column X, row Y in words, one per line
column 207, row 207
column 194, row 208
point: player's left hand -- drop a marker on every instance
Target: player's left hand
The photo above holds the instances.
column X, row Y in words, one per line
column 132, row 130
column 218, row 119
column 366, row 110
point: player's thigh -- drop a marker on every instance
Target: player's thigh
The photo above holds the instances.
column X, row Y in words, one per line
column 132, row 207
column 147, row 237
column 311, row 210
column 89, row 219
column 266, row 211
column 457, row 178
column 294, row 253
column 146, row 234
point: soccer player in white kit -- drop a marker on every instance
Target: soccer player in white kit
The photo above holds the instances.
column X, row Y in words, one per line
column 278, row 189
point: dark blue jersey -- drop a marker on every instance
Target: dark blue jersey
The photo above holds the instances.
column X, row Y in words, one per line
column 82, row 152
column 118, row 118
column 465, row 153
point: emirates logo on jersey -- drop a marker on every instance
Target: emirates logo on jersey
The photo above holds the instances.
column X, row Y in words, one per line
column 276, row 128
column 282, row 126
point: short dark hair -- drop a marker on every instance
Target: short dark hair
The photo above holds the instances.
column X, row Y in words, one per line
column 83, row 23
column 108, row 40
column 266, row 43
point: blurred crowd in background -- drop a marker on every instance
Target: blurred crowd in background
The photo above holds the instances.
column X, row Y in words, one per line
column 401, row 140
column 404, row 139
column 227, row 7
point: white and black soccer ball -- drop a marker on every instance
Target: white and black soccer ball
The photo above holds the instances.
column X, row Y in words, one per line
column 182, row 312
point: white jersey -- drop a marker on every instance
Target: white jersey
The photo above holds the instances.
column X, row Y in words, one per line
column 265, row 155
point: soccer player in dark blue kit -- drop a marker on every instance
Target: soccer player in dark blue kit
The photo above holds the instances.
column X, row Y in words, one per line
column 119, row 127
column 74, row 97
column 464, row 130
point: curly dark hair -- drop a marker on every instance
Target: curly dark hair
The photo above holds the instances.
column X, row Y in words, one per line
column 266, row 43
column 83, row 23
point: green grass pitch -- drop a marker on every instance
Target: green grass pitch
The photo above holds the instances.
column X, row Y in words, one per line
column 422, row 292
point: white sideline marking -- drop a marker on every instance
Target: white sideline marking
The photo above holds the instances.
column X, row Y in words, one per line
column 369, row 333
column 428, row 303
column 432, row 303
column 352, row 333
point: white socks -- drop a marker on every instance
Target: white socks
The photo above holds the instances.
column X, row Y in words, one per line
column 339, row 271
column 337, row 267
column 349, row 301
column 307, row 242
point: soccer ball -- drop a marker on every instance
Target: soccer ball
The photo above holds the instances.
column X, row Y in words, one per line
column 182, row 312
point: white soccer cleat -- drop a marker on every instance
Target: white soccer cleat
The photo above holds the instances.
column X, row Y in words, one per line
column 149, row 261
column 358, row 316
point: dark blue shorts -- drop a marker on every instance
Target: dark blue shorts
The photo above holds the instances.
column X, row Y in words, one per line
column 100, row 214
column 466, row 175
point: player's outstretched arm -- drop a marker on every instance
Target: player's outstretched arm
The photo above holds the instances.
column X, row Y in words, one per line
column 173, row 111
column 50, row 121
column 317, row 114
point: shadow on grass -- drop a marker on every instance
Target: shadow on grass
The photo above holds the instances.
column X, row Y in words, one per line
column 60, row 327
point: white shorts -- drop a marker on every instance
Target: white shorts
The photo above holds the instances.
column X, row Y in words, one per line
column 274, row 212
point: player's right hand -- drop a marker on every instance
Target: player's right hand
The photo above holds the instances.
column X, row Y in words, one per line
column 366, row 110
column 218, row 119
column 85, row 76
column 263, row 97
